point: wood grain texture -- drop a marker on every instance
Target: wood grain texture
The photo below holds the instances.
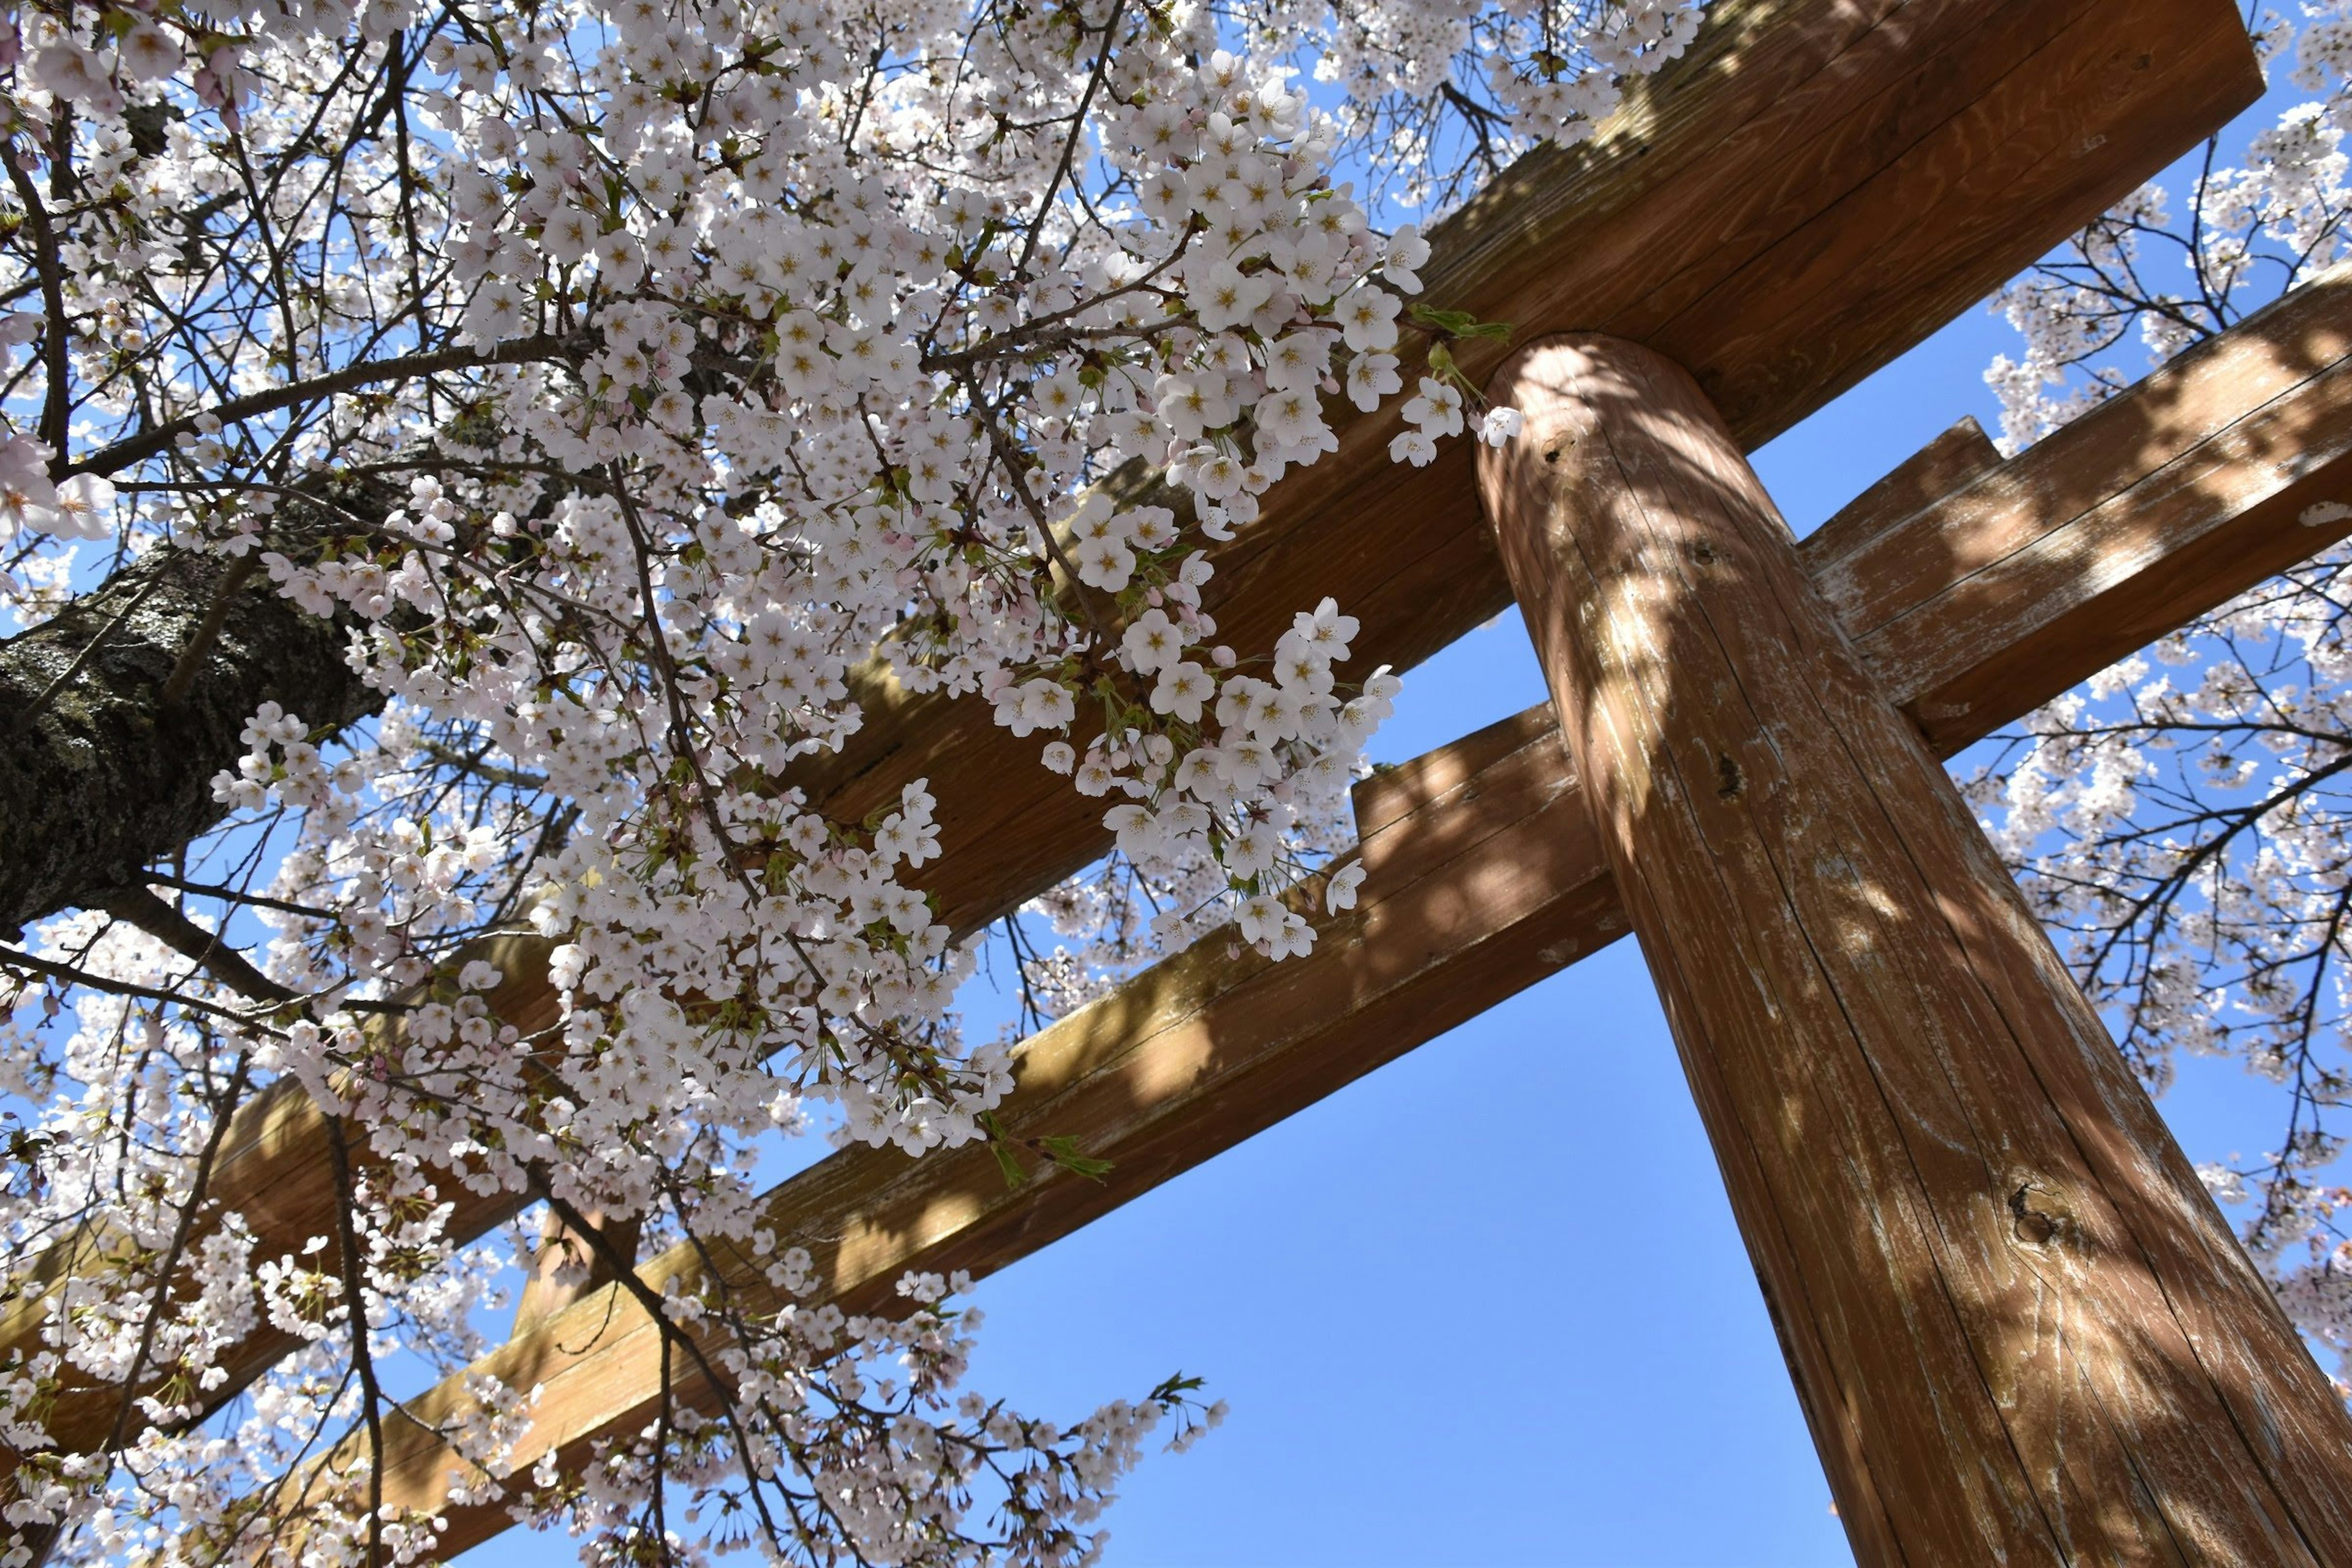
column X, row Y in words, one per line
column 1960, row 454
column 2021, row 1330
column 2228, row 465
column 2281, row 370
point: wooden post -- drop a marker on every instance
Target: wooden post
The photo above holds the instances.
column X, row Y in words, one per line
column 545, row 1291
column 2020, row 1328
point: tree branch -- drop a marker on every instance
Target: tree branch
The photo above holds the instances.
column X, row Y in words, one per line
column 370, row 372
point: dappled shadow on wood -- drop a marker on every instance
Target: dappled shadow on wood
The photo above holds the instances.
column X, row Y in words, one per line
column 1482, row 875
column 2234, row 461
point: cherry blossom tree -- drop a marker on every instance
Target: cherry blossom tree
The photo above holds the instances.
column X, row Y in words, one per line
column 2183, row 820
column 454, row 460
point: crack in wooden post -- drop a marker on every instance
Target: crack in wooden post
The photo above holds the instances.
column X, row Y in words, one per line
column 2021, row 1330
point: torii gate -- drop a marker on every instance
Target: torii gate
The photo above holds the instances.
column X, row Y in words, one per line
column 2018, row 1326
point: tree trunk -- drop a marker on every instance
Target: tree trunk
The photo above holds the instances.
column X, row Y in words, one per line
column 100, row 772
column 2020, row 1328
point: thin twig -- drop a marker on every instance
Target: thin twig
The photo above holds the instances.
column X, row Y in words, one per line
column 184, row 669
column 32, row 709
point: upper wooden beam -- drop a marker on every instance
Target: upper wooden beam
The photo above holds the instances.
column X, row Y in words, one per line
column 1814, row 187
column 1483, row 875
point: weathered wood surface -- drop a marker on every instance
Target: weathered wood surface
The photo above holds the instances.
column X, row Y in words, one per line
column 1192, row 1058
column 2042, row 566
column 2020, row 1328
column 1960, row 454
column 2288, row 370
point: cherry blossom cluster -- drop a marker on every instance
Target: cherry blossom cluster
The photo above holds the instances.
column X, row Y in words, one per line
column 1443, row 95
column 653, row 396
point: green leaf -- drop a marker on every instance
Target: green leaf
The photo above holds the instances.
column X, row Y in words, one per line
column 1457, row 323
column 1000, row 1146
column 1064, row 1151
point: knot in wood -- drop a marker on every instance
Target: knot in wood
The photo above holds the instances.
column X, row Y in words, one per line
column 2030, row 1224
column 1730, row 782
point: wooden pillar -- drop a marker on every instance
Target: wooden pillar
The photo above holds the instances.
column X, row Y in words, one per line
column 2020, row 1328
column 545, row 1291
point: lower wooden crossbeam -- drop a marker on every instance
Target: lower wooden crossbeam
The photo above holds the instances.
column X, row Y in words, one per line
column 1483, row 872
column 1483, row 875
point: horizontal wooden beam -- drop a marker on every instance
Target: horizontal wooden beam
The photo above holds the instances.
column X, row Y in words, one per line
column 1814, row 187
column 1753, row 212
column 1959, row 454
column 2220, row 469
column 1490, row 879
column 1483, row 875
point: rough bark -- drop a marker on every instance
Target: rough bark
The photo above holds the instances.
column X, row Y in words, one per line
column 100, row 775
